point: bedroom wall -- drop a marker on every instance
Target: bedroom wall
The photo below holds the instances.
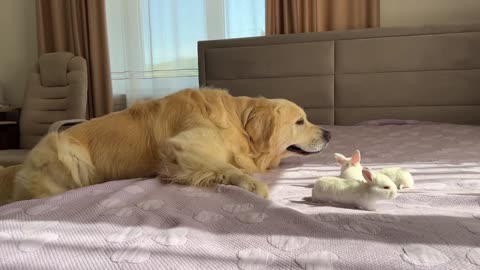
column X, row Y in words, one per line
column 18, row 46
column 18, row 51
column 420, row 12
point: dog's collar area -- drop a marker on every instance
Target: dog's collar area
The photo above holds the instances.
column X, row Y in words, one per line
column 295, row 149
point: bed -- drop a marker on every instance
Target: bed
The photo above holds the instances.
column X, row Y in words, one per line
column 405, row 97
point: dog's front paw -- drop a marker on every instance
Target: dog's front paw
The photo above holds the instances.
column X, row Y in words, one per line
column 261, row 189
column 251, row 184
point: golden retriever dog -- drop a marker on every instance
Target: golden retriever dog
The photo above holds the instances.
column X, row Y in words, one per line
column 196, row 137
column 6, row 182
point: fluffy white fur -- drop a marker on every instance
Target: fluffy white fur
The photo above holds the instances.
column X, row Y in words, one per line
column 192, row 137
column 362, row 194
column 351, row 168
column 401, row 177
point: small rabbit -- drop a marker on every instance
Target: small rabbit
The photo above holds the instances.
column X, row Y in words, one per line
column 401, row 177
column 352, row 169
column 361, row 194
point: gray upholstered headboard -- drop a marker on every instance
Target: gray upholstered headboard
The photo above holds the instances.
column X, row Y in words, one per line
column 427, row 73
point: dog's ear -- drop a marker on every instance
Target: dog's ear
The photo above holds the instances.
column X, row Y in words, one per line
column 261, row 125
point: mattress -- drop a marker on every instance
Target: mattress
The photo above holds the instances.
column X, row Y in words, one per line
column 147, row 224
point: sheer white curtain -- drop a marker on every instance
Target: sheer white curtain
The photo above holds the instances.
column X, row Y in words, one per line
column 153, row 43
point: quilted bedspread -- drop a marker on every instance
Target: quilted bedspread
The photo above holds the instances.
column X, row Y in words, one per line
column 144, row 224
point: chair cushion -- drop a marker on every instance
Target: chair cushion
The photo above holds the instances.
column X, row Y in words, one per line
column 11, row 157
column 54, row 68
column 42, row 105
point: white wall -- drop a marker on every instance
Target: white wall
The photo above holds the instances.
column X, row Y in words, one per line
column 18, row 46
column 421, row 12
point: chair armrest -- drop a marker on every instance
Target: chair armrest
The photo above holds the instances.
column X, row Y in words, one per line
column 60, row 125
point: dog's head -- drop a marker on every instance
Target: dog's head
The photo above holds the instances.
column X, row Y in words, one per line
column 281, row 127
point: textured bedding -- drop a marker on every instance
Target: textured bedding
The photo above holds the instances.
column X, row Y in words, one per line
column 145, row 224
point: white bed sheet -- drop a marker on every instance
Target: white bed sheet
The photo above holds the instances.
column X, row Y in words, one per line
column 144, row 224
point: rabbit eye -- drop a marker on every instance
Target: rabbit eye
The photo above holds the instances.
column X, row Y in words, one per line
column 386, row 187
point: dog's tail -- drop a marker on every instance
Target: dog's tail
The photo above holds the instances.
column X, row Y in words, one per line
column 76, row 158
column 7, row 178
column 56, row 164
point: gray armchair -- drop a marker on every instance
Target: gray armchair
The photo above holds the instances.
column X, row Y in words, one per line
column 55, row 97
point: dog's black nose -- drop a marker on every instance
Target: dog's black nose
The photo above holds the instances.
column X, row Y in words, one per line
column 326, row 135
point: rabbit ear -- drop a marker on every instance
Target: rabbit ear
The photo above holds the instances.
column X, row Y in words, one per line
column 341, row 159
column 356, row 157
column 368, row 174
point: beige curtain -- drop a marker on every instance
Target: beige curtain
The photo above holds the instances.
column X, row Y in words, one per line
column 298, row 16
column 79, row 26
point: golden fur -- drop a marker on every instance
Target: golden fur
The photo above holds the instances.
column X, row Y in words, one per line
column 192, row 137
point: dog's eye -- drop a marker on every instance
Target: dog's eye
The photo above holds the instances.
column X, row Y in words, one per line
column 300, row 122
column 386, row 187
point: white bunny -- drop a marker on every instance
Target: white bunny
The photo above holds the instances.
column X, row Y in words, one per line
column 401, row 177
column 362, row 194
column 352, row 169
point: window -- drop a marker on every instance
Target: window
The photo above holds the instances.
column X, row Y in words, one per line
column 153, row 43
